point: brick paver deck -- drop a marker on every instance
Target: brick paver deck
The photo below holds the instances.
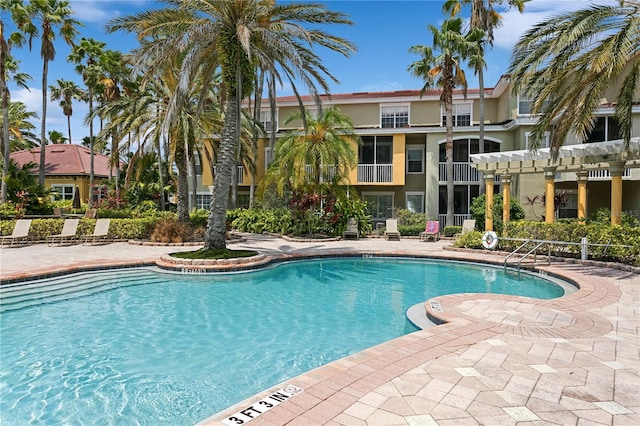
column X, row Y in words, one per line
column 497, row 360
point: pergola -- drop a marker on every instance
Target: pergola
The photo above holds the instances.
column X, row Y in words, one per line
column 579, row 158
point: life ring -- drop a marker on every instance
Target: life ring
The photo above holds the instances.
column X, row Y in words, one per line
column 489, row 240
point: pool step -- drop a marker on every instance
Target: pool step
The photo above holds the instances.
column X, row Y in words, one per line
column 31, row 293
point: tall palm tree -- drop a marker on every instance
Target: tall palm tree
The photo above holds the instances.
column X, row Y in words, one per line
column 7, row 66
column 66, row 91
column 41, row 19
column 56, row 137
column 239, row 37
column 441, row 65
column 85, row 56
column 484, row 17
column 566, row 63
column 325, row 145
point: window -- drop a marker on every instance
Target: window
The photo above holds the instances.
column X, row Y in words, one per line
column 415, row 201
column 203, row 201
column 63, row 192
column 543, row 144
column 394, row 116
column 461, row 115
column 379, row 205
column 265, row 120
column 376, row 150
column 243, row 200
column 415, row 159
column 606, row 129
column 525, row 104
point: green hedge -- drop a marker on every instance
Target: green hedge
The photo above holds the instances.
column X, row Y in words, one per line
column 118, row 228
column 596, row 233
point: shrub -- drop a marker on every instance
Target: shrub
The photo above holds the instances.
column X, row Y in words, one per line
column 450, row 231
column 410, row 230
column 471, row 239
column 172, row 231
column 199, row 218
column 478, row 206
column 409, row 218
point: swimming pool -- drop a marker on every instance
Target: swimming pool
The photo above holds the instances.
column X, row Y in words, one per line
column 142, row 346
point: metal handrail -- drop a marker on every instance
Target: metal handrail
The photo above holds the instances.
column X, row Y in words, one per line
column 526, row 241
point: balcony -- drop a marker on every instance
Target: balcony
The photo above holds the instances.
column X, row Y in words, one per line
column 375, row 173
column 240, row 174
column 327, row 173
column 457, row 219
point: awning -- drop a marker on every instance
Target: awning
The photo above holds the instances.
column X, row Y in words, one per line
column 588, row 156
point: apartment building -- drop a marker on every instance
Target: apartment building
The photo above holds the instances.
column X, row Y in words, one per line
column 401, row 161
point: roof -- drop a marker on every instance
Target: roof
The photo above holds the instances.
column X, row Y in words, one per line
column 588, row 156
column 65, row 160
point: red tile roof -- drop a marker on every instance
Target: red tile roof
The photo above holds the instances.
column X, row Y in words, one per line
column 377, row 95
column 65, row 160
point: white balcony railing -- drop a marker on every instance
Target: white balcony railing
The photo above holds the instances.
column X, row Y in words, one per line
column 240, row 174
column 375, row 173
column 604, row 174
column 457, row 219
column 327, row 173
column 462, row 172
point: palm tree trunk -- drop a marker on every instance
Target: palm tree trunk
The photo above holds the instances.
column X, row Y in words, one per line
column 448, row 95
column 216, row 228
column 69, row 127
column 194, row 180
column 5, row 113
column 91, row 170
column 43, row 125
column 183, row 183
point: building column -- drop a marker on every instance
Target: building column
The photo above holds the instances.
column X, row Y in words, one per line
column 616, row 169
column 582, row 177
column 505, row 181
column 489, row 180
column 549, row 194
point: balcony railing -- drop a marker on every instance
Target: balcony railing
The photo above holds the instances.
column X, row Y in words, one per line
column 462, row 172
column 327, row 173
column 604, row 174
column 240, row 174
column 457, row 219
column 375, row 173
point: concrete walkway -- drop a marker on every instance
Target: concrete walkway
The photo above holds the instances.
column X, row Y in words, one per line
column 498, row 360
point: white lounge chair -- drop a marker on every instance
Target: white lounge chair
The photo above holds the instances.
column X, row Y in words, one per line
column 100, row 232
column 352, row 229
column 468, row 225
column 68, row 232
column 20, row 233
column 391, row 230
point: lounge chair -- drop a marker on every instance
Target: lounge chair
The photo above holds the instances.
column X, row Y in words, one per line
column 391, row 230
column 431, row 231
column 20, row 233
column 91, row 214
column 100, row 232
column 352, row 229
column 58, row 212
column 468, row 225
column 68, row 232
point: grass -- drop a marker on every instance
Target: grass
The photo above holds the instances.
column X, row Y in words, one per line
column 214, row 254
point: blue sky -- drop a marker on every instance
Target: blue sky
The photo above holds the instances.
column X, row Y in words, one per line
column 383, row 31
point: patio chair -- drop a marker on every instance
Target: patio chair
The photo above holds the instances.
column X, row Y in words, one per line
column 352, row 229
column 20, row 233
column 91, row 214
column 58, row 212
column 391, row 230
column 468, row 225
column 68, row 232
column 100, row 232
column 431, row 231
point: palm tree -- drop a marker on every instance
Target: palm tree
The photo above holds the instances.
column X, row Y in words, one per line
column 8, row 65
column 239, row 37
column 41, row 19
column 486, row 18
column 56, row 137
column 85, row 55
column 566, row 63
column 325, row 145
column 445, row 71
column 66, row 91
column 20, row 128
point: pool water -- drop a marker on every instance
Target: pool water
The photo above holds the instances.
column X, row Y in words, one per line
column 142, row 346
